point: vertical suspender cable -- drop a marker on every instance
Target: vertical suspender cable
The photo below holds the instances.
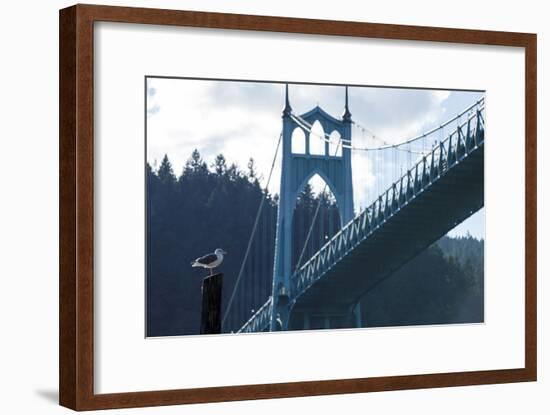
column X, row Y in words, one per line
column 232, row 297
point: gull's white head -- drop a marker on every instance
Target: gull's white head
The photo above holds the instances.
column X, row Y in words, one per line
column 220, row 252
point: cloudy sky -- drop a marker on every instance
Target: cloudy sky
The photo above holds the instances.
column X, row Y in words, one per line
column 243, row 120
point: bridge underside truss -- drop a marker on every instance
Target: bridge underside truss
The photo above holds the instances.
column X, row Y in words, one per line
column 407, row 229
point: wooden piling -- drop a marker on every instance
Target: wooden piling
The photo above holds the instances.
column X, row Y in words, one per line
column 211, row 314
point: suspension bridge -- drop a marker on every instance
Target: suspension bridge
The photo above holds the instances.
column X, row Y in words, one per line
column 309, row 268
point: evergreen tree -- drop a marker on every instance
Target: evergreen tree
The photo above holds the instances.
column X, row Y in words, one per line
column 251, row 169
column 233, row 172
column 195, row 164
column 220, row 165
column 306, row 198
column 165, row 172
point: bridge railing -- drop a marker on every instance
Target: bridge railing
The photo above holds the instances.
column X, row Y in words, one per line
column 467, row 137
column 460, row 142
column 260, row 320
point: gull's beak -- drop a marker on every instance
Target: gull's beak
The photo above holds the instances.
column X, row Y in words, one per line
column 225, row 252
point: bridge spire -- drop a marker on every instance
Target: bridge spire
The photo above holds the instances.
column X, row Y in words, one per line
column 347, row 114
column 288, row 109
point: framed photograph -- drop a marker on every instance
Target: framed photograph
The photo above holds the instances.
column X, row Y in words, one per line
column 256, row 207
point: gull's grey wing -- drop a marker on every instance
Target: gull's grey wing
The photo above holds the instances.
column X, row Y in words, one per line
column 207, row 259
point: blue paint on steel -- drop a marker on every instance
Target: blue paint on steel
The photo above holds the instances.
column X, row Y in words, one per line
column 296, row 171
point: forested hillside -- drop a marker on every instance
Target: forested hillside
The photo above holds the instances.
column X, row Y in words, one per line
column 204, row 208
column 444, row 284
column 209, row 206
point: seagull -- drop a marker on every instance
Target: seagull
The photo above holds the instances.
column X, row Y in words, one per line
column 210, row 261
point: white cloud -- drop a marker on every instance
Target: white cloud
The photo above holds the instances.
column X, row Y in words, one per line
column 243, row 120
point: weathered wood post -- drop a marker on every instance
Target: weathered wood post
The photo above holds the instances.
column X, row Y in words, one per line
column 211, row 314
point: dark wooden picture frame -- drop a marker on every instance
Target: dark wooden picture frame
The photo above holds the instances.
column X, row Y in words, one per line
column 76, row 179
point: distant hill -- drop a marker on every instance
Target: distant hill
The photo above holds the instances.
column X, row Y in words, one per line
column 442, row 285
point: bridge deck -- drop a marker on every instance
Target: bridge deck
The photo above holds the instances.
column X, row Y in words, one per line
column 407, row 230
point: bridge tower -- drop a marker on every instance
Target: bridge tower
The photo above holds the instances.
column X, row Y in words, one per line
column 297, row 169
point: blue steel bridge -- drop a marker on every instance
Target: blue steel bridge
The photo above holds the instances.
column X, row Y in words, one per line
column 312, row 272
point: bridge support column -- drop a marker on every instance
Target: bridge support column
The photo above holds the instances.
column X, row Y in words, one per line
column 307, row 322
column 357, row 315
column 281, row 310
